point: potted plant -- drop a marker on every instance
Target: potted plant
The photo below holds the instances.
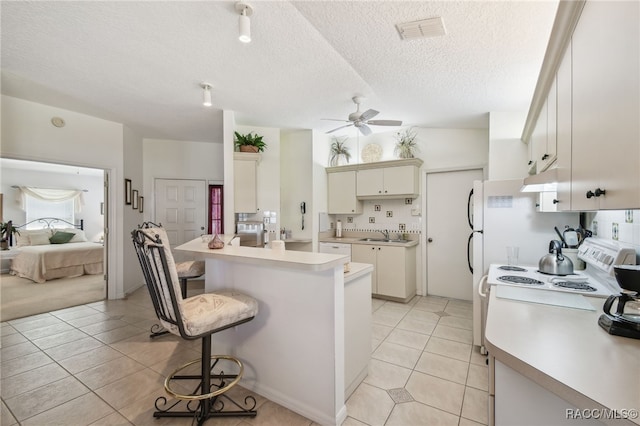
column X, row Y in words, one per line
column 406, row 145
column 339, row 152
column 6, row 230
column 250, row 142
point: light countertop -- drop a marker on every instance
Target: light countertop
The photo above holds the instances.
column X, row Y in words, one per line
column 264, row 256
column 565, row 351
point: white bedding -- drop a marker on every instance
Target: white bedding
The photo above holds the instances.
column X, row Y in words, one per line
column 46, row 262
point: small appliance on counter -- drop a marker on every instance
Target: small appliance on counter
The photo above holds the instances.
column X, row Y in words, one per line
column 251, row 233
column 625, row 321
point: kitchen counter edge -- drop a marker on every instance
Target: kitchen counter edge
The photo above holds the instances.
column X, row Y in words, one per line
column 357, row 240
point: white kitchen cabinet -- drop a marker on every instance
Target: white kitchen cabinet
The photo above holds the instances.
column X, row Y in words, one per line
column 605, row 162
column 245, row 182
column 563, row 132
column 543, row 139
column 398, row 181
column 539, row 139
column 342, row 193
column 335, row 248
column 394, row 269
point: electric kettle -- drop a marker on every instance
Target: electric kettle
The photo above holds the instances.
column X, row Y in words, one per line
column 555, row 263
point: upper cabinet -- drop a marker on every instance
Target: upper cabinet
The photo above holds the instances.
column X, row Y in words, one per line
column 605, row 162
column 245, row 182
column 342, row 193
column 387, row 182
column 587, row 106
column 386, row 179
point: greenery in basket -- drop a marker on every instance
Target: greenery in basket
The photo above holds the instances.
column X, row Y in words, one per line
column 250, row 139
column 339, row 150
column 406, row 145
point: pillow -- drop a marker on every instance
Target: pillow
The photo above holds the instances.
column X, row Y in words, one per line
column 24, row 239
column 78, row 235
column 61, row 237
column 39, row 239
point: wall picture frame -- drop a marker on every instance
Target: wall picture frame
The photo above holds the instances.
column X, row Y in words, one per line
column 134, row 199
column 141, row 204
column 127, row 191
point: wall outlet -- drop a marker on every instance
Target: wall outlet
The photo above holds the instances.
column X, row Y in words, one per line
column 614, row 231
column 376, row 208
column 389, row 213
column 372, row 220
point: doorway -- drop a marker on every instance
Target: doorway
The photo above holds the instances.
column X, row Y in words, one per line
column 447, row 232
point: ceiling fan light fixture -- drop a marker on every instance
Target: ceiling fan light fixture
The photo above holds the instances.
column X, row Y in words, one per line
column 244, row 23
column 206, row 96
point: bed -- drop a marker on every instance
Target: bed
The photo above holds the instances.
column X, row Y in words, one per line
column 57, row 249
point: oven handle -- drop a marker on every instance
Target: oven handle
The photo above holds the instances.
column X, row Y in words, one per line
column 481, row 291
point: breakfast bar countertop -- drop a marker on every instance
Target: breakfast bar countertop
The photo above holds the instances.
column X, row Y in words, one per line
column 265, row 256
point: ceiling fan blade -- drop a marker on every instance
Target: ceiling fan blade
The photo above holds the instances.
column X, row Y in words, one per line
column 370, row 113
column 385, row 122
column 335, row 119
column 364, row 129
column 338, row 128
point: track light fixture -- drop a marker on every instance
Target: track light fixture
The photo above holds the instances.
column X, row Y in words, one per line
column 244, row 23
column 206, row 96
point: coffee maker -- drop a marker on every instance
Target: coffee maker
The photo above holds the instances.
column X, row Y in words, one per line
column 625, row 321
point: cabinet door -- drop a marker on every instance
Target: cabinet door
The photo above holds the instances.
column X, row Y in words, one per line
column 391, row 271
column 539, row 139
column 364, row 253
column 342, row 193
column 244, row 186
column 552, row 111
column 400, row 180
column 370, row 182
column 605, row 128
column 563, row 133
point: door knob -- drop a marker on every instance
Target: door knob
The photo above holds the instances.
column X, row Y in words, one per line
column 430, row 240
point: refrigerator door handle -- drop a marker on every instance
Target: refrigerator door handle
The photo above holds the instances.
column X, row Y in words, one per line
column 469, row 250
column 481, row 285
column 469, row 214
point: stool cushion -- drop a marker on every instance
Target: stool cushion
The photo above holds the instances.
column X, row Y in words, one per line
column 210, row 311
column 190, row 268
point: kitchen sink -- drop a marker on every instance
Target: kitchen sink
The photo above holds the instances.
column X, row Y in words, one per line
column 383, row 240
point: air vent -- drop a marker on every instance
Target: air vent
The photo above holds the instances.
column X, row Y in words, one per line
column 432, row 27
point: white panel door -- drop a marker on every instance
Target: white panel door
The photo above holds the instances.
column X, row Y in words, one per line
column 447, row 194
column 181, row 208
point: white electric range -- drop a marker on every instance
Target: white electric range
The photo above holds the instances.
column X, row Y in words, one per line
column 596, row 280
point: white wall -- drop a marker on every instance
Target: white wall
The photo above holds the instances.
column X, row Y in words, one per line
column 508, row 155
column 133, row 169
column 27, row 134
column 296, row 182
column 93, row 221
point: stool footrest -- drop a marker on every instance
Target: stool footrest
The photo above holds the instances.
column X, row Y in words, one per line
column 208, row 398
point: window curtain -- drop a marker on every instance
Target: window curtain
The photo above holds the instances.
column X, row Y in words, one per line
column 52, row 195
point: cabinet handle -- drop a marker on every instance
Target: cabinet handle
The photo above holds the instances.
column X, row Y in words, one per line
column 429, row 240
column 385, row 191
column 530, row 162
column 600, row 192
column 590, row 194
column 556, row 201
column 545, row 156
column 379, row 192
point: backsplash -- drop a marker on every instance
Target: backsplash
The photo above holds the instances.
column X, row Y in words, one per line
column 618, row 225
column 396, row 215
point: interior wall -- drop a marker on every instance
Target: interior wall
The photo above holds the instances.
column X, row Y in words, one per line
column 134, row 170
column 27, row 134
column 508, row 155
column 296, row 182
column 321, row 146
column 93, row 220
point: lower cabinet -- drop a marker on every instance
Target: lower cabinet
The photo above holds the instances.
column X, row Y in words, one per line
column 394, row 269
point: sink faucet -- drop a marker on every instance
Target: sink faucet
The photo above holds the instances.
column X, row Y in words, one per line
column 385, row 233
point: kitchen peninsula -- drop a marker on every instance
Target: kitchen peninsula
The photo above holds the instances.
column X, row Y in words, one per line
column 309, row 346
column 555, row 366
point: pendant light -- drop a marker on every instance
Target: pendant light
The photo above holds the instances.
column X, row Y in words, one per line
column 206, row 96
column 244, row 23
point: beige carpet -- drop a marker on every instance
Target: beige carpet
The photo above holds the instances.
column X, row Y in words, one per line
column 20, row 297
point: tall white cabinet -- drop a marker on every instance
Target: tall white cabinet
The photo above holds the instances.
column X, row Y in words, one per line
column 245, row 182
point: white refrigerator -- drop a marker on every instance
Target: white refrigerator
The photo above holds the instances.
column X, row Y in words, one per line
column 502, row 216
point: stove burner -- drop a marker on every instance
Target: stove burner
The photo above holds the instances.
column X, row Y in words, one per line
column 513, row 279
column 512, row 268
column 574, row 285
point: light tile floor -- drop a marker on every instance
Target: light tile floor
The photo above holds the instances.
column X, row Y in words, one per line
column 95, row 365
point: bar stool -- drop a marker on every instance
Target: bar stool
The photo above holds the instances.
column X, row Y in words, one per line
column 196, row 317
column 188, row 270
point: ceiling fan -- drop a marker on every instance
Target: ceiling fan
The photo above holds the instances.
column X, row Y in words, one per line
column 362, row 120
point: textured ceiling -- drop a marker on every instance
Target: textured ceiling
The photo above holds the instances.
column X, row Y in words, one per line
column 141, row 63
